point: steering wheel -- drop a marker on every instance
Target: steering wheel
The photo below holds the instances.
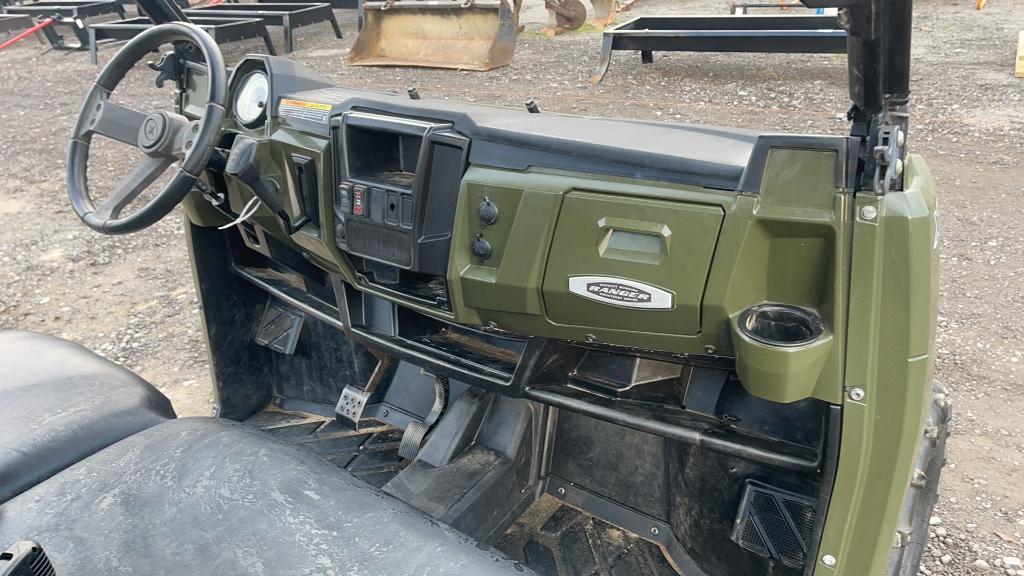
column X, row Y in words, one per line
column 164, row 137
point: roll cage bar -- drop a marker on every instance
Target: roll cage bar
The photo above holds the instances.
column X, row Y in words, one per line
column 878, row 56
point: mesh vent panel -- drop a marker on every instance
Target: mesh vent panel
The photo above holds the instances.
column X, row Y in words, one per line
column 775, row 524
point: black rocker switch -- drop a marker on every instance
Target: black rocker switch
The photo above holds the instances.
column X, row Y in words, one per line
column 241, row 166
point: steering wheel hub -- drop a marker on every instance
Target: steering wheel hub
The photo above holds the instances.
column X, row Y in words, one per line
column 151, row 135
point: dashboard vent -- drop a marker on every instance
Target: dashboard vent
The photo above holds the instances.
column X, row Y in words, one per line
column 304, row 177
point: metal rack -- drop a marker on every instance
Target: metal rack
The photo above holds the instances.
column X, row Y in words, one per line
column 12, row 22
column 743, row 6
column 284, row 14
column 74, row 13
column 335, row 4
column 223, row 31
column 766, row 34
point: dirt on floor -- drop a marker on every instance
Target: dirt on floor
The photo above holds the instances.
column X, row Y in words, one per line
column 131, row 297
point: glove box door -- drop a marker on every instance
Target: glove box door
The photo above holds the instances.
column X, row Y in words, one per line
column 628, row 263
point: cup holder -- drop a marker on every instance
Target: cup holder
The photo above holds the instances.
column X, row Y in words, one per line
column 780, row 350
column 781, row 325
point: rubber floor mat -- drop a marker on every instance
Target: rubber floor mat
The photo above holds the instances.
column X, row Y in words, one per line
column 554, row 539
column 370, row 454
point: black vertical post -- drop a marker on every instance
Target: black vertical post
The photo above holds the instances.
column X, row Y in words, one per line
column 896, row 26
column 878, row 57
column 161, row 11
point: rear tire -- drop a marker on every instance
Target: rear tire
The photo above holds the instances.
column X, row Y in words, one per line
column 911, row 537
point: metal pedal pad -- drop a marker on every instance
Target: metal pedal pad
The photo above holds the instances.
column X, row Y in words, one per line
column 351, row 405
column 353, row 401
column 279, row 328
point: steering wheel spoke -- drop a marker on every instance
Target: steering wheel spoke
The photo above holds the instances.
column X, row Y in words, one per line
column 114, row 121
column 185, row 137
column 134, row 184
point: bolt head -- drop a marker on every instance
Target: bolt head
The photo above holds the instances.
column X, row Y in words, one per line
column 710, row 349
column 857, row 394
column 901, row 138
column 899, row 166
column 829, row 560
column 561, row 491
column 655, row 531
column 868, row 213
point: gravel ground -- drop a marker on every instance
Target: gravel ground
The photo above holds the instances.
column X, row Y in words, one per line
column 131, row 298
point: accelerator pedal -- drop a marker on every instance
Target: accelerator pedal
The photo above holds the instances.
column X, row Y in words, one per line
column 416, row 432
column 279, row 328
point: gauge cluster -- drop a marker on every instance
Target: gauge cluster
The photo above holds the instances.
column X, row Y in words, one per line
column 250, row 96
column 250, row 99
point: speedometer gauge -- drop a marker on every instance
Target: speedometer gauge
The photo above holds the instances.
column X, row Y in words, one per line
column 251, row 99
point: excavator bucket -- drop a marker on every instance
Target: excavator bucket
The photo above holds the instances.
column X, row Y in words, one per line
column 462, row 34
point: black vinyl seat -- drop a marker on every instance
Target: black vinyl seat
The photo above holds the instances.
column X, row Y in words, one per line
column 60, row 403
column 198, row 496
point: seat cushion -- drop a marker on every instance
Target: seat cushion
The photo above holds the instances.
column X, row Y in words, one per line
column 209, row 496
column 60, row 403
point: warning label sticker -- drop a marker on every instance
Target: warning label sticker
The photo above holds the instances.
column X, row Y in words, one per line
column 301, row 110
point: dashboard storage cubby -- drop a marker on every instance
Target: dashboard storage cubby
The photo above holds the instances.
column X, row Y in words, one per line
column 389, row 158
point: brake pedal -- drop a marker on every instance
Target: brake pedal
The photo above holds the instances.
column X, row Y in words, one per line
column 354, row 400
column 279, row 328
column 351, row 405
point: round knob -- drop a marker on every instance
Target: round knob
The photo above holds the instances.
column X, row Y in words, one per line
column 481, row 247
column 487, row 211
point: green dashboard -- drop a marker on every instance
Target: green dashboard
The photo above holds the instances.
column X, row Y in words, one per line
column 628, row 235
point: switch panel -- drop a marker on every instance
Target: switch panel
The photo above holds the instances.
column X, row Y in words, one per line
column 397, row 185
